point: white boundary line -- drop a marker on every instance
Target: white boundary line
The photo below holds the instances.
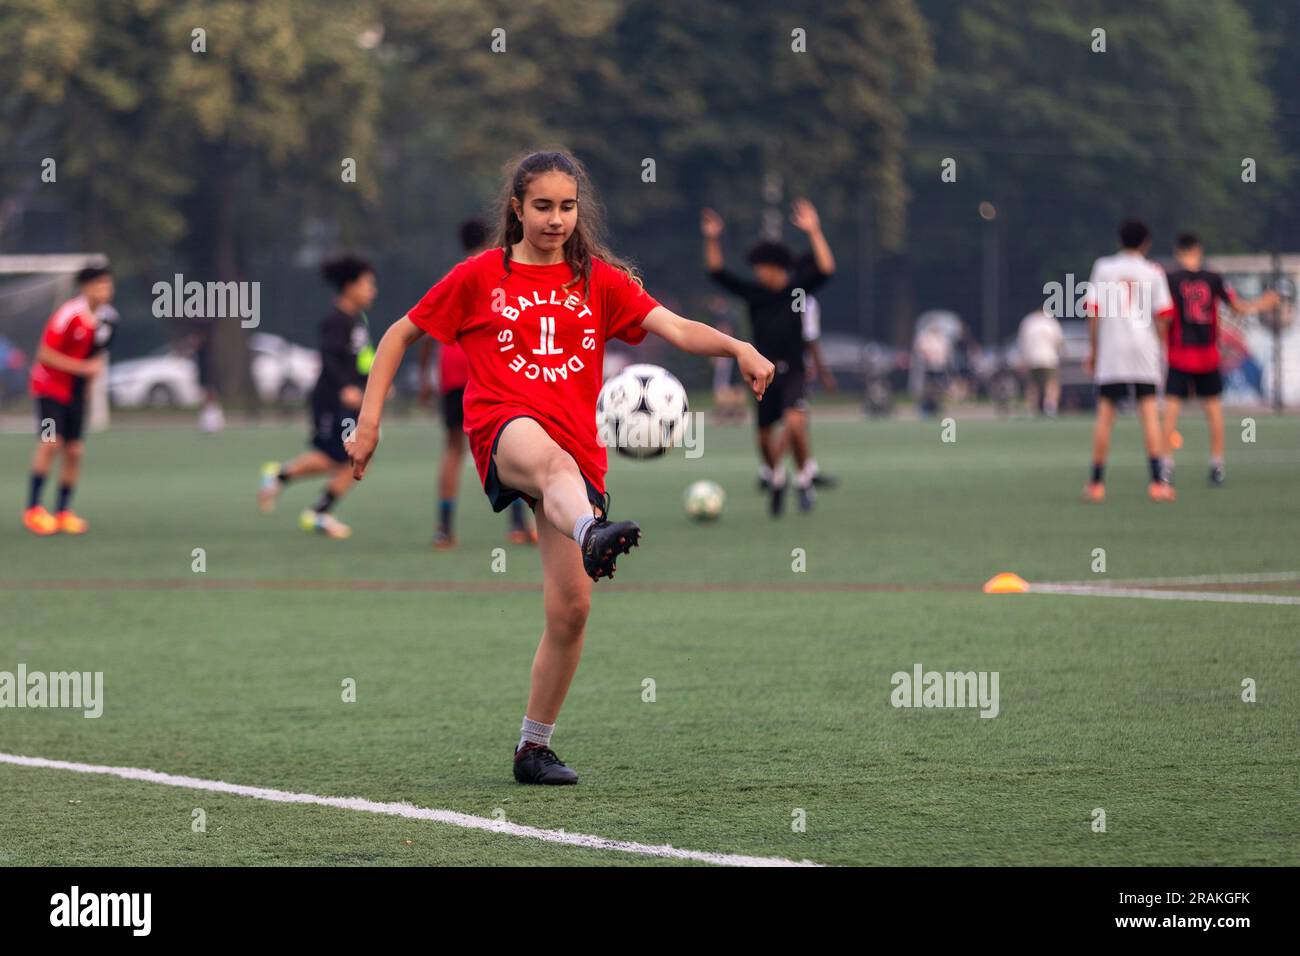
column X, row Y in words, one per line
column 1224, row 597
column 1259, row 577
column 405, row 810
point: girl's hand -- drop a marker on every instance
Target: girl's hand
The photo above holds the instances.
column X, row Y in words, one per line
column 361, row 447
column 755, row 369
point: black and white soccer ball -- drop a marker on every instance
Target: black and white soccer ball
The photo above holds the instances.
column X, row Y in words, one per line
column 641, row 412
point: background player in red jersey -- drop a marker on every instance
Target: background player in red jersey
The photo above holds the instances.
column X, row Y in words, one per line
column 1192, row 334
column 453, row 376
column 65, row 361
column 533, row 315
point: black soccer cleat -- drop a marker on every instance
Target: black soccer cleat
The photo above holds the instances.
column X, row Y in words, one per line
column 604, row 542
column 777, row 501
column 1216, row 474
column 537, row 764
column 806, row 499
column 825, row 481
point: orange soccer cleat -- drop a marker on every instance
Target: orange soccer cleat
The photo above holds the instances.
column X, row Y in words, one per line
column 1094, row 491
column 1161, row 491
column 522, row 536
column 39, row 521
column 70, row 523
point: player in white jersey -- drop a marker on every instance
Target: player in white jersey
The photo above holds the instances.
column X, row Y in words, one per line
column 1127, row 294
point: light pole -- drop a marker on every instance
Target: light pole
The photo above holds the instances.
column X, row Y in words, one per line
column 989, row 213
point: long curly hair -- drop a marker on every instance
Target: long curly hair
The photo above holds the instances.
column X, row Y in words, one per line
column 588, row 239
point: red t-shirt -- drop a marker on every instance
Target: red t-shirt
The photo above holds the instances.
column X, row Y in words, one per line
column 1194, row 331
column 534, row 348
column 70, row 331
column 453, row 367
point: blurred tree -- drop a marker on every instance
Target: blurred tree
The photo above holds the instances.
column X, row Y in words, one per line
column 715, row 94
column 1066, row 141
column 1278, row 26
column 197, row 124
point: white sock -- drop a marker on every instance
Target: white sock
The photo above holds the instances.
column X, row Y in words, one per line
column 778, row 477
column 808, row 473
column 765, row 472
column 534, row 732
column 812, row 468
column 580, row 527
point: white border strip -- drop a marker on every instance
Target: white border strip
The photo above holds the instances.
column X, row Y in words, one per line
column 1223, row 597
column 405, row 810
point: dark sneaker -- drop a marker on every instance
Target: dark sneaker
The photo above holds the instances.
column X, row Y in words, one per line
column 825, row 481
column 777, row 503
column 604, row 542
column 538, row 764
column 1216, row 474
column 806, row 498
column 764, row 484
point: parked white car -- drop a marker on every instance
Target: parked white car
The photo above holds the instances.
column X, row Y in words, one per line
column 282, row 372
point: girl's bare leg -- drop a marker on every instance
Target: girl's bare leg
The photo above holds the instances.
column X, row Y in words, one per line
column 566, row 595
column 528, row 460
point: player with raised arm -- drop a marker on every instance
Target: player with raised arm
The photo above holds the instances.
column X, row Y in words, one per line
column 1192, row 336
column 533, row 314
column 772, row 298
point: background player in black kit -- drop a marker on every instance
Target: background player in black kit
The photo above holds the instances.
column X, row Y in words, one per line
column 778, row 334
column 1193, row 346
column 345, row 357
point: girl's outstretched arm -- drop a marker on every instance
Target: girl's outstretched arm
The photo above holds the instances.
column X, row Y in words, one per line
column 700, row 339
column 388, row 358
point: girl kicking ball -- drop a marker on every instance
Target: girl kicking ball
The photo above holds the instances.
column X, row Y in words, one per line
column 533, row 314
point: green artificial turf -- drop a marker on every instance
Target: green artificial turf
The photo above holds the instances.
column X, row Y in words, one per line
column 771, row 686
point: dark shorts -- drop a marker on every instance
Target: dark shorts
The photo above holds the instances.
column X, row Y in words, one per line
column 500, row 497
column 68, row 418
column 1118, row 391
column 327, row 425
column 786, row 392
column 1193, row 384
column 453, row 409
column 204, row 361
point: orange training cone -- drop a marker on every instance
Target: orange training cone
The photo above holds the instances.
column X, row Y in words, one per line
column 1006, row 583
